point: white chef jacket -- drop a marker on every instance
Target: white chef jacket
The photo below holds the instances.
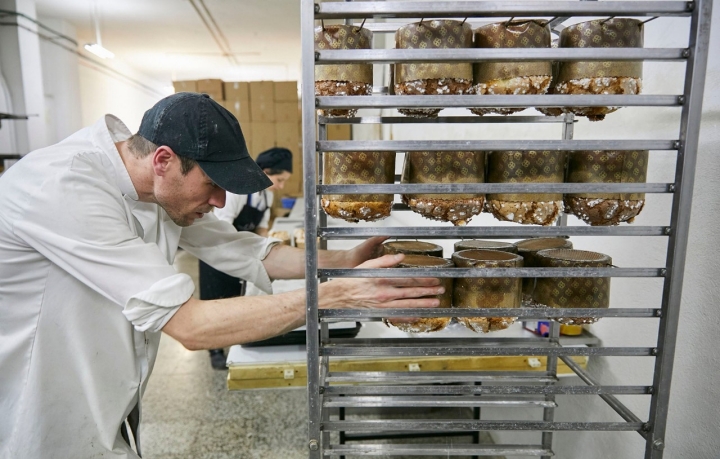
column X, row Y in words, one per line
column 86, row 285
column 234, row 203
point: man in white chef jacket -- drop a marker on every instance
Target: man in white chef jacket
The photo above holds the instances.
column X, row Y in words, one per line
column 89, row 229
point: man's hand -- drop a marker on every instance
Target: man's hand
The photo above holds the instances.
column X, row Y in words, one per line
column 385, row 292
column 369, row 249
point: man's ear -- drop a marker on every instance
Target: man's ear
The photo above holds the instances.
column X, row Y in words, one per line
column 162, row 160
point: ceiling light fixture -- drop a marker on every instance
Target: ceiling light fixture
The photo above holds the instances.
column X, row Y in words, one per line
column 97, row 47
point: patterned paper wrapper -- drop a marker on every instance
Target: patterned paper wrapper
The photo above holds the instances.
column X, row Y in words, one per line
column 487, row 292
column 426, row 324
column 552, row 111
column 573, row 292
column 445, row 167
column 608, row 167
column 435, row 34
column 528, row 249
column 512, row 34
column 526, row 167
column 357, row 168
column 343, row 37
column 612, row 33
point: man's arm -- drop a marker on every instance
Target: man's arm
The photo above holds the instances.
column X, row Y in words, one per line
column 285, row 262
column 219, row 323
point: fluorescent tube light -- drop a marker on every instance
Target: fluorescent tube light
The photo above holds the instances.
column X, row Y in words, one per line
column 99, row 51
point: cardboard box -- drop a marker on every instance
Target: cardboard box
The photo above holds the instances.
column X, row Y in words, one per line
column 239, row 108
column 294, row 186
column 263, row 137
column 287, row 111
column 212, row 87
column 339, row 132
column 185, row 86
column 288, row 136
column 286, row 91
column 262, row 103
column 237, row 90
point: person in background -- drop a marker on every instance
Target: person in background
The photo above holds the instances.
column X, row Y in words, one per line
column 246, row 212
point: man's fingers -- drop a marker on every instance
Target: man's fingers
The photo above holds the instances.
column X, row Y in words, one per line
column 411, row 281
column 412, row 303
column 386, row 261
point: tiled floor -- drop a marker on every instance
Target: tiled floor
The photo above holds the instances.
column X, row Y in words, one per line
column 189, row 413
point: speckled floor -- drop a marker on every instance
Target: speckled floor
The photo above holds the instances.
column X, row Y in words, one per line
column 189, row 413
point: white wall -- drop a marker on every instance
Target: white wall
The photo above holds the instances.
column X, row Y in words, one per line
column 693, row 423
column 66, row 90
column 102, row 91
column 61, row 83
column 22, row 71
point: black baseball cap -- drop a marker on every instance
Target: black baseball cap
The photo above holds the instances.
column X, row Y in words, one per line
column 197, row 127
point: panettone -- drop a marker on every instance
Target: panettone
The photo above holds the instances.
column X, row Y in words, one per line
column 342, row 79
column 602, row 209
column 526, row 167
column 486, row 292
column 426, row 324
column 445, row 167
column 604, row 77
column 511, row 78
column 573, row 292
column 357, row 168
column 435, row 78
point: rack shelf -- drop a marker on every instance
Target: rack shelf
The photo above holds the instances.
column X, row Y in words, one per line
column 476, row 388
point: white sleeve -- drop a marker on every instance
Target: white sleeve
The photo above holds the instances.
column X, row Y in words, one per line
column 93, row 242
column 237, row 253
column 233, row 205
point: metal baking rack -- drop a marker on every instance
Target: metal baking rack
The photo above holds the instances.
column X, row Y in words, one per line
column 327, row 391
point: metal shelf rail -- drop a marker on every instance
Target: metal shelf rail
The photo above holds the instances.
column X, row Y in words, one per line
column 327, row 391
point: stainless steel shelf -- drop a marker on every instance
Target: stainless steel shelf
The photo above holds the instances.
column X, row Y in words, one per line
column 465, row 101
column 528, row 8
column 385, row 56
column 482, row 390
column 524, row 313
column 454, row 426
column 525, row 188
column 434, row 401
column 436, row 450
column 493, row 145
column 514, row 232
column 494, row 272
column 425, row 348
column 436, row 377
column 490, row 119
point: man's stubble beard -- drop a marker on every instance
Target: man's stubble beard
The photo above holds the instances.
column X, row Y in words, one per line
column 175, row 215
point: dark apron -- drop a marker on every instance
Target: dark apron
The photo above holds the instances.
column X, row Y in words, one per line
column 214, row 284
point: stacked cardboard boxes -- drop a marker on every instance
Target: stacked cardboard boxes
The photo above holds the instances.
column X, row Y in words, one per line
column 269, row 116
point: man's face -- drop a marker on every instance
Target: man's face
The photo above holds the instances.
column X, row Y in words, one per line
column 186, row 198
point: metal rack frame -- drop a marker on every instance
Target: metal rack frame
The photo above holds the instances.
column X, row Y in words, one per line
column 419, row 389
